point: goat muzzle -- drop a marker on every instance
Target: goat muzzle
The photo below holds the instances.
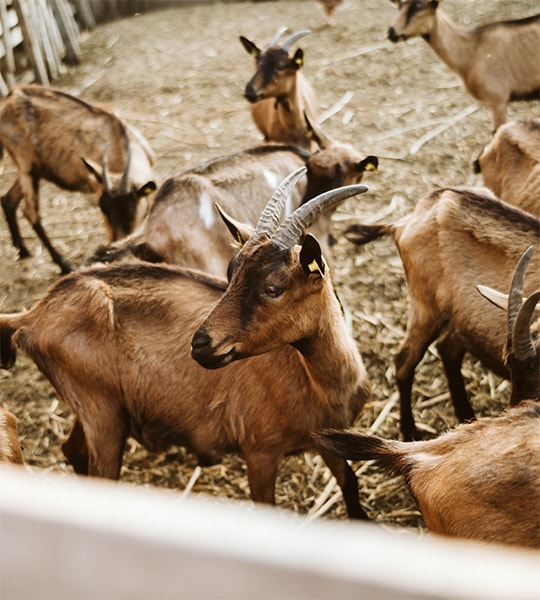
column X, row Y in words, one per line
column 206, row 354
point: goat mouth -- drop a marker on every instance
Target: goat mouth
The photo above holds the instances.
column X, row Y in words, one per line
column 252, row 97
column 212, row 361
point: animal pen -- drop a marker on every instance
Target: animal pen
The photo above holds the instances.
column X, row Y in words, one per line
column 169, row 528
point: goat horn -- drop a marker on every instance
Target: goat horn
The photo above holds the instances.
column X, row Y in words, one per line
column 292, row 229
column 277, row 35
column 522, row 342
column 515, row 297
column 105, row 169
column 124, row 183
column 294, row 38
column 271, row 214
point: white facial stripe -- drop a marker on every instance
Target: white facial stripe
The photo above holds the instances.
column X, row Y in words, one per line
column 206, row 210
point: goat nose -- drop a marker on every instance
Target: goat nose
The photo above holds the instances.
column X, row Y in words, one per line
column 250, row 94
column 392, row 35
column 200, row 342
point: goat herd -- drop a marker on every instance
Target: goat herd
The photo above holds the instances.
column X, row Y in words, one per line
column 210, row 320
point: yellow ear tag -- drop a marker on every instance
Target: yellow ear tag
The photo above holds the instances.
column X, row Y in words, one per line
column 314, row 267
column 239, row 238
column 370, row 167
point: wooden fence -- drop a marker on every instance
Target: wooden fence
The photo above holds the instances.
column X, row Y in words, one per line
column 38, row 38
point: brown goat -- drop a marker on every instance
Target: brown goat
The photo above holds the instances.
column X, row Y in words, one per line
column 10, row 448
column 454, row 239
column 114, row 342
column 497, row 62
column 482, row 480
column 510, row 164
column 55, row 136
column 330, row 7
column 183, row 226
column 279, row 93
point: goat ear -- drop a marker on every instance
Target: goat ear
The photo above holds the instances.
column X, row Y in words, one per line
column 240, row 231
column 497, row 298
column 147, row 188
column 370, row 163
column 93, row 169
column 250, row 47
column 298, row 58
column 311, row 257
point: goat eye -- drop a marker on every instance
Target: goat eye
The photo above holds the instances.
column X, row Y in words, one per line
column 273, row 291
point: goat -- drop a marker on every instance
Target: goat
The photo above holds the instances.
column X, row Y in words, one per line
column 279, row 93
column 182, row 227
column 10, row 448
column 330, row 7
column 479, row 481
column 482, row 480
column 510, row 164
column 114, row 341
column 58, row 137
column 497, row 62
column 454, row 238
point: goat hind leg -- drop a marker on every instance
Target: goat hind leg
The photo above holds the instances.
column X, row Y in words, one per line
column 10, row 203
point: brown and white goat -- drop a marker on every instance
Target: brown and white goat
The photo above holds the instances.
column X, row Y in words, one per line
column 184, row 228
column 454, row 239
column 115, row 343
column 279, row 93
column 497, row 62
column 55, row 136
column 510, row 164
column 482, row 480
column 10, row 447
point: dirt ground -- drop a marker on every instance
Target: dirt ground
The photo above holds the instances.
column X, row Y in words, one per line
column 178, row 74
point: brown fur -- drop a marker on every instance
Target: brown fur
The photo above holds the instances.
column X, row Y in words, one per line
column 480, row 481
column 176, row 231
column 455, row 239
column 114, row 342
column 47, row 133
column 497, row 62
column 10, row 448
column 280, row 97
column 510, row 164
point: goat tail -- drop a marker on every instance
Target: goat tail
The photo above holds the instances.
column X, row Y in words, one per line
column 389, row 454
column 360, row 234
column 8, row 351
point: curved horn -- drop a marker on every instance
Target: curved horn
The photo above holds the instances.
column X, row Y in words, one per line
column 294, row 38
column 292, row 229
column 105, row 170
column 522, row 342
column 515, row 296
column 277, row 35
column 271, row 214
column 124, row 183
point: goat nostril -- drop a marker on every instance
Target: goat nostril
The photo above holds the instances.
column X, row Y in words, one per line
column 200, row 341
column 392, row 35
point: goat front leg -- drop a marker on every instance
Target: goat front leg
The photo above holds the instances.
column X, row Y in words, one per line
column 31, row 212
column 262, row 471
column 422, row 329
column 452, row 353
column 75, row 449
column 348, row 483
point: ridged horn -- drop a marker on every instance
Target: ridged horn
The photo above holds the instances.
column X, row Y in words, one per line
column 515, row 296
column 292, row 229
column 271, row 214
column 522, row 343
column 124, row 183
column 294, row 37
column 283, row 29
column 105, row 170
